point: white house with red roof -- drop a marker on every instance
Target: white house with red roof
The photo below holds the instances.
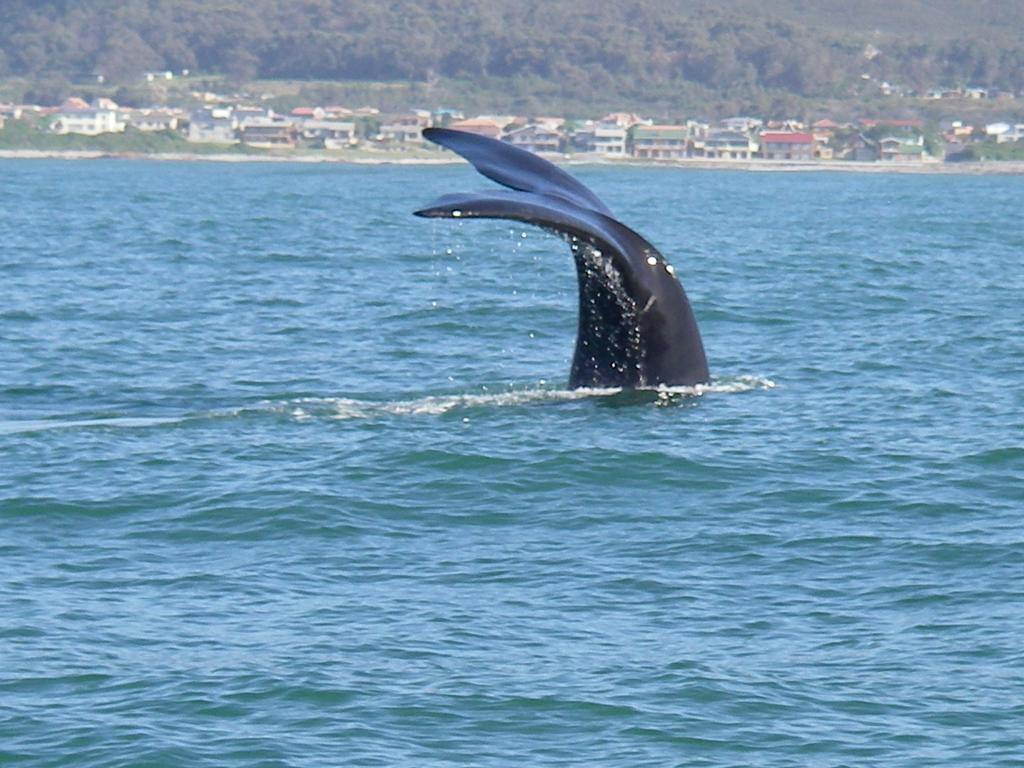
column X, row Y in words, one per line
column 76, row 116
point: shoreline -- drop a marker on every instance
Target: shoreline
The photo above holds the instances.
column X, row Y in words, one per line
column 989, row 168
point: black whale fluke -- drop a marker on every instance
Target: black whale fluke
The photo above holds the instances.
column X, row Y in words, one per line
column 636, row 326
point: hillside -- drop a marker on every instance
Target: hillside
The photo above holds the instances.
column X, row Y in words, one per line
column 531, row 54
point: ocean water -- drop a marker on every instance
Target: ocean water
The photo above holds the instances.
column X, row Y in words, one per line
column 291, row 478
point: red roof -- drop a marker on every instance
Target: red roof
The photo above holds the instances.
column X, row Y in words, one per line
column 787, row 138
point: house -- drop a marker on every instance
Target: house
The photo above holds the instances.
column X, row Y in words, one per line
column 213, row 125
column 308, row 113
column 824, row 132
column 88, row 121
column 741, row 124
column 580, row 136
column 336, row 113
column 729, row 145
column 623, row 119
column 273, row 131
column 698, row 132
column 611, row 133
column 697, row 129
column 446, row 115
column 405, row 128
column 152, row 120
column 554, row 123
column 954, row 130
column 245, row 114
column 1004, row 132
column 788, row 145
column 331, row 134
column 479, row 126
column 535, row 137
column 861, row 149
column 901, row 149
column 610, row 140
column 788, row 125
column 660, row 142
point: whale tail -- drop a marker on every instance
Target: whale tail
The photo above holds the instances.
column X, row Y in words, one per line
column 636, row 325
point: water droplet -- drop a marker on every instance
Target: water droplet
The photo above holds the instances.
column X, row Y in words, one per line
column 448, row 251
column 522, row 235
column 652, row 260
column 670, row 269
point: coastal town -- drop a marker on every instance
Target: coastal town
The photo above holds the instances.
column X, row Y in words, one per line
column 220, row 122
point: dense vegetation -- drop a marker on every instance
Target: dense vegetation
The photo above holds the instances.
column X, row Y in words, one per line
column 644, row 52
column 990, row 150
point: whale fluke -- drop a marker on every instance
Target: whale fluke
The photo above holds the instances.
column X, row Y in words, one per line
column 636, row 326
column 515, row 168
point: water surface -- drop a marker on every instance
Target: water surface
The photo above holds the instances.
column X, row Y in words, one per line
column 291, row 478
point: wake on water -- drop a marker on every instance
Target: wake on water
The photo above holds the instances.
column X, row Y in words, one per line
column 347, row 408
column 436, row 405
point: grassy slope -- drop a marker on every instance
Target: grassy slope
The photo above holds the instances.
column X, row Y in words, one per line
column 18, row 134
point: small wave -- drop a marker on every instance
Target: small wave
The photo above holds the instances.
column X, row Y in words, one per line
column 17, row 426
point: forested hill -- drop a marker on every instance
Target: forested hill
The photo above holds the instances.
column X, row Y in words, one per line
column 632, row 48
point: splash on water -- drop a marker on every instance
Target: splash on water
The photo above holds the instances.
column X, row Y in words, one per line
column 343, row 408
column 346, row 408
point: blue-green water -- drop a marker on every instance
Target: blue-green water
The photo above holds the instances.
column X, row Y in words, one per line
column 290, row 478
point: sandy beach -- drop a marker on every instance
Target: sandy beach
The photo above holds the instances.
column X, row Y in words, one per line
column 387, row 158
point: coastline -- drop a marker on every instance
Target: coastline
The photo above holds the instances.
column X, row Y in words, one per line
column 989, row 168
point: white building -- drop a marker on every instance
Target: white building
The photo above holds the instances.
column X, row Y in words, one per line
column 152, row 120
column 406, row 128
column 333, row 134
column 611, row 133
column 741, row 124
column 1004, row 132
column 610, row 140
column 88, row 121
